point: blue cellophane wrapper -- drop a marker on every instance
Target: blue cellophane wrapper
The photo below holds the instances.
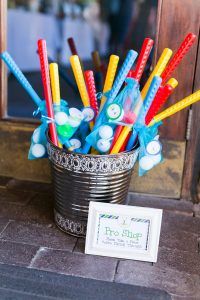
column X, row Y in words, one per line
column 39, row 133
column 146, row 135
column 128, row 98
column 82, row 132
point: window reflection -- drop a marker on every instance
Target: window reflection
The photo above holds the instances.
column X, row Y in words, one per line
column 107, row 26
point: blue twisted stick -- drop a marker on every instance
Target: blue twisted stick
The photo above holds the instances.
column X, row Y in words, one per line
column 155, row 84
column 20, row 77
column 121, row 76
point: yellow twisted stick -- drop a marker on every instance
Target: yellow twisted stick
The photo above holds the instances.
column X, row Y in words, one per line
column 173, row 82
column 110, row 75
column 159, row 68
column 125, row 131
column 78, row 74
column 55, row 86
column 176, row 107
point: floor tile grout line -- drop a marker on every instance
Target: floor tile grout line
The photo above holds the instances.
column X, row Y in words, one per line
column 182, row 231
column 1, row 233
column 37, row 255
column 75, row 245
column 2, row 238
column 28, row 244
column 116, row 270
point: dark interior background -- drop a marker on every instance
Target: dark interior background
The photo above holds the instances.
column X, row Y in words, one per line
column 108, row 26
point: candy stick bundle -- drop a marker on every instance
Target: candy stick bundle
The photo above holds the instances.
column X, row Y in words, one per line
column 123, row 114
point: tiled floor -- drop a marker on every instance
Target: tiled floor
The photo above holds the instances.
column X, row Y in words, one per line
column 28, row 237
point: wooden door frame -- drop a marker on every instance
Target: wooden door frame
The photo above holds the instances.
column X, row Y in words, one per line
column 191, row 169
column 3, row 72
column 191, row 172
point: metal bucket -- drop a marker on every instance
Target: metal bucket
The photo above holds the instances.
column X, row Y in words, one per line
column 79, row 179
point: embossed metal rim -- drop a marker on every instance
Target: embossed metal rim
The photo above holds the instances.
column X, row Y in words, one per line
column 91, row 163
column 77, row 162
column 135, row 148
column 70, row 226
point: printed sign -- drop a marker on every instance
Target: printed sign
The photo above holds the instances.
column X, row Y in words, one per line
column 123, row 231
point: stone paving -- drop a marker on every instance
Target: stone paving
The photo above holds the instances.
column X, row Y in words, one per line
column 28, row 237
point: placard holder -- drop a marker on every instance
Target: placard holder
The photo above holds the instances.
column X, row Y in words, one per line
column 123, row 231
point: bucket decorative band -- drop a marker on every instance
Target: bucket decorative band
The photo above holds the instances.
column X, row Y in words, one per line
column 79, row 179
column 92, row 163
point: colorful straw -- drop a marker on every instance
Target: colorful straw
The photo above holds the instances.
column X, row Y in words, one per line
column 155, row 84
column 147, row 102
column 158, row 70
column 136, row 74
column 110, row 75
column 78, row 74
column 123, row 148
column 96, row 60
column 161, row 97
column 72, row 46
column 12, row 66
column 42, row 51
column 173, row 82
column 130, row 74
column 118, row 131
column 142, row 59
column 64, row 75
column 121, row 76
column 55, row 84
column 90, row 84
column 179, row 55
column 189, row 100
column 154, row 87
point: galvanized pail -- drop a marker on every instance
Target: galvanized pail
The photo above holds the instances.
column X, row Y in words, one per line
column 79, row 179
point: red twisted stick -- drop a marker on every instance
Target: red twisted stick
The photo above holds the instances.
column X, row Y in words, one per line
column 142, row 59
column 118, row 130
column 136, row 74
column 178, row 56
column 123, row 147
column 42, row 51
column 161, row 97
column 130, row 74
column 90, row 84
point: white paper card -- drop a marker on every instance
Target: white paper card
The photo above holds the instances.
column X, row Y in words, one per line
column 123, row 231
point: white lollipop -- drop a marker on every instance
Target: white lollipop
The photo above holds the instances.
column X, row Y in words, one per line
column 74, row 122
column 103, row 145
column 36, row 136
column 154, row 147
column 61, row 118
column 146, row 163
column 88, row 114
column 76, row 113
column 38, row 150
column 76, row 143
column 156, row 159
column 120, row 118
column 105, row 132
column 114, row 111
